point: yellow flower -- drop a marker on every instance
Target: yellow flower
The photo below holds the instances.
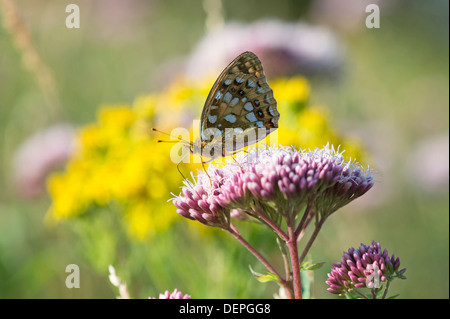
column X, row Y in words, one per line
column 145, row 219
column 295, row 89
column 119, row 117
column 145, row 106
column 139, row 219
column 91, row 140
column 62, row 189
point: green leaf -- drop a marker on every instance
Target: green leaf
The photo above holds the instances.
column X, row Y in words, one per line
column 265, row 278
column 307, row 266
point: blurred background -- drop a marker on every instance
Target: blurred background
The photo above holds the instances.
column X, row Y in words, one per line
column 385, row 89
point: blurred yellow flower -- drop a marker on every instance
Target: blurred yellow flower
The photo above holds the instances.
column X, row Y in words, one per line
column 295, row 89
column 64, row 202
column 114, row 163
column 146, row 220
column 118, row 158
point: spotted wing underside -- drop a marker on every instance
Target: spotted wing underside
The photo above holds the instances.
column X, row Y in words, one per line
column 240, row 102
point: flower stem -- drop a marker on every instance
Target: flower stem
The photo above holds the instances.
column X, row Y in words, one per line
column 260, row 213
column 386, row 289
column 360, row 294
column 287, row 270
column 311, row 239
column 304, row 221
column 293, row 251
column 233, row 231
column 374, row 293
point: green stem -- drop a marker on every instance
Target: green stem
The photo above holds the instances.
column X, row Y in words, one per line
column 300, row 234
column 374, row 293
column 281, row 245
column 303, row 222
column 360, row 294
column 386, row 289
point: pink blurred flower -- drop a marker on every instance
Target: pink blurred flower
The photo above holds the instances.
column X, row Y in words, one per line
column 346, row 15
column 174, row 295
column 431, row 154
column 285, row 49
column 38, row 155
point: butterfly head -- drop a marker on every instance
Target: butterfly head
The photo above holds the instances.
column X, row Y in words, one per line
column 194, row 148
column 210, row 150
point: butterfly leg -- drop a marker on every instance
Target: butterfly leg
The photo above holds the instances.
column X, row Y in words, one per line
column 204, row 169
column 179, row 171
column 232, row 156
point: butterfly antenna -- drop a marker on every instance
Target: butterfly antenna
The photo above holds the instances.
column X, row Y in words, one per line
column 174, row 137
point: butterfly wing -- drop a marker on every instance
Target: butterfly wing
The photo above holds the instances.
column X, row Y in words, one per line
column 239, row 103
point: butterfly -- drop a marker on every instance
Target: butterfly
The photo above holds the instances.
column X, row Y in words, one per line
column 240, row 110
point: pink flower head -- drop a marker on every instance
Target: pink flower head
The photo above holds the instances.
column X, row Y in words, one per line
column 174, row 295
column 279, row 180
column 287, row 179
column 365, row 267
column 38, row 155
column 200, row 201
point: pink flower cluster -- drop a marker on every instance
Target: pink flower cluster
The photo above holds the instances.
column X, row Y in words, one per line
column 283, row 180
column 362, row 268
column 174, row 295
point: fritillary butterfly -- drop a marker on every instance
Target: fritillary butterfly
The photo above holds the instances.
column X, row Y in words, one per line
column 240, row 110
